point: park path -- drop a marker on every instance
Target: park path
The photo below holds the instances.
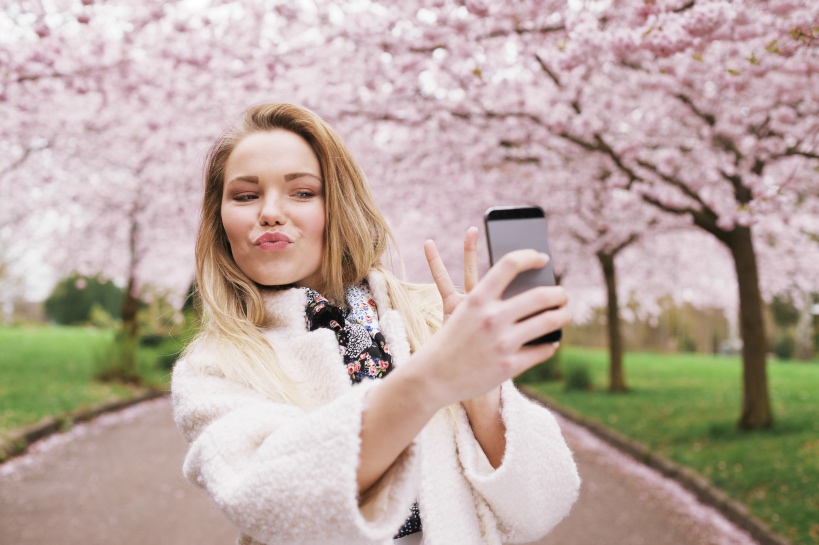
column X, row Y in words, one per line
column 118, row 480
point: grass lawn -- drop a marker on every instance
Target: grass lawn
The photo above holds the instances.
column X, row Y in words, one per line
column 49, row 371
column 686, row 406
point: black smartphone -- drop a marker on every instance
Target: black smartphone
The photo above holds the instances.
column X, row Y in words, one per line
column 511, row 228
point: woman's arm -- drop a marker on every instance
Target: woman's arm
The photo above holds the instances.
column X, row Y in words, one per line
column 538, row 481
column 396, row 410
column 484, row 413
column 271, row 466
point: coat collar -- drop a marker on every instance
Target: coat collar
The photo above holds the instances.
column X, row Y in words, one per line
column 285, row 310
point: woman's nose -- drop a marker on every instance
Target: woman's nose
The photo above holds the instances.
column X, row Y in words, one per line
column 272, row 212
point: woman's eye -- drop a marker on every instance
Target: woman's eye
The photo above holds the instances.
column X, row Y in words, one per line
column 244, row 197
column 304, row 194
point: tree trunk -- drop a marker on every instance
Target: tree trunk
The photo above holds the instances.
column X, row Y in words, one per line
column 804, row 329
column 130, row 306
column 756, row 405
column 130, row 331
column 617, row 380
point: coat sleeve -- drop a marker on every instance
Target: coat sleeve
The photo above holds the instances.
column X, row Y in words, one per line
column 537, row 481
column 283, row 475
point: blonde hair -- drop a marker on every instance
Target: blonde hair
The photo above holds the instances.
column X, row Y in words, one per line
column 356, row 238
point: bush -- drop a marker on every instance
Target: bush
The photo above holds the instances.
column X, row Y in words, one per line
column 73, row 298
column 167, row 358
column 99, row 317
column 151, row 339
column 578, row 378
column 784, row 346
column 116, row 362
column 686, row 344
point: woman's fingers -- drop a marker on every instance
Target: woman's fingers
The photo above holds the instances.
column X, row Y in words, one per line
column 470, row 259
column 540, row 324
column 504, row 271
column 533, row 355
column 439, row 273
column 534, row 301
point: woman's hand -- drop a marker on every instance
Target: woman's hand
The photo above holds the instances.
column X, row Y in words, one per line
column 478, row 347
column 481, row 343
column 452, row 298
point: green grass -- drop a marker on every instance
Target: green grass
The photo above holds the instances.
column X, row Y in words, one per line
column 49, row 371
column 685, row 407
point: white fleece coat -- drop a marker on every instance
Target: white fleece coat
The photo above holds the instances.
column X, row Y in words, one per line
column 288, row 477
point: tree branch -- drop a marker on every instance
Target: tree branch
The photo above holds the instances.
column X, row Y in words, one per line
column 521, row 31
column 685, row 7
column 22, row 159
column 742, row 193
column 546, row 69
column 521, row 160
column 81, row 72
column 790, row 152
column 520, row 115
column 608, row 150
column 625, row 244
column 671, row 180
column 708, row 118
column 812, row 236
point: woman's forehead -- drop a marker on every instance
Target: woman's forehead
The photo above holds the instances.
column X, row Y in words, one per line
column 277, row 151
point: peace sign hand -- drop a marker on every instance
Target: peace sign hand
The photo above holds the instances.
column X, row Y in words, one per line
column 449, row 295
column 481, row 344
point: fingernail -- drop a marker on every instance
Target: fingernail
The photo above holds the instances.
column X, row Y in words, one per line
column 544, row 255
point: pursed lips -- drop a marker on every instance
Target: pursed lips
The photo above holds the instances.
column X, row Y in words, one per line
column 272, row 241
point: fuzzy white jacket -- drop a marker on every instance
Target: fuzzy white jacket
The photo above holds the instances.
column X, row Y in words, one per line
column 288, row 477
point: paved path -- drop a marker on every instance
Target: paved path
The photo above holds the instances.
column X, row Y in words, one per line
column 117, row 480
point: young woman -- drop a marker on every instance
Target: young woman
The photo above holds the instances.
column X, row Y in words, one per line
column 327, row 402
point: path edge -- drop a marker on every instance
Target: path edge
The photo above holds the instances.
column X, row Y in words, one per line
column 16, row 442
column 688, row 478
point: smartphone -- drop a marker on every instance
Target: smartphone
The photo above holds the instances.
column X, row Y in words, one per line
column 511, row 228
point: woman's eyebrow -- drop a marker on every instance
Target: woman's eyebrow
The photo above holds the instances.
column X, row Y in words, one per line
column 294, row 175
column 249, row 179
column 287, row 178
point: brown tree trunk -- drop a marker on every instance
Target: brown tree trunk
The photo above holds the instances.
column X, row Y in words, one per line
column 130, row 331
column 617, row 380
column 756, row 405
column 804, row 329
column 130, row 307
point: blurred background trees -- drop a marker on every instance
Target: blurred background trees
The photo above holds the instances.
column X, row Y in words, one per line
column 673, row 145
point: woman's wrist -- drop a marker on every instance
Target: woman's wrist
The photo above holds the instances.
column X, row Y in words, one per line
column 419, row 387
column 431, row 378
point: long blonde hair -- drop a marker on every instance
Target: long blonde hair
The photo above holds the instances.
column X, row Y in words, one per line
column 356, row 238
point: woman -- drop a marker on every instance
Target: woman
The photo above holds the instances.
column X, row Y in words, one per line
column 327, row 402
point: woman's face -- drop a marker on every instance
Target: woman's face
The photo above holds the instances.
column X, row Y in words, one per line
column 273, row 209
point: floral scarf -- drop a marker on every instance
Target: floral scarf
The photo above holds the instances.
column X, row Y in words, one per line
column 360, row 340
column 363, row 346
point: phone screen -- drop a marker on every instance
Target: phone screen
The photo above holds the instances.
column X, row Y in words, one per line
column 516, row 228
column 506, row 231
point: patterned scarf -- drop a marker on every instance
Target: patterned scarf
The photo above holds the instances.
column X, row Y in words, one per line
column 360, row 340
column 363, row 346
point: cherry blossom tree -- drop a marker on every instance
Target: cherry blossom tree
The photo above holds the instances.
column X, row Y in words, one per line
column 706, row 110
column 715, row 120
column 622, row 118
